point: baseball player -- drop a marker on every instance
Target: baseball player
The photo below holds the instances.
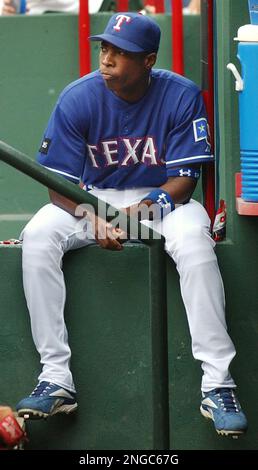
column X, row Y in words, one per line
column 135, row 137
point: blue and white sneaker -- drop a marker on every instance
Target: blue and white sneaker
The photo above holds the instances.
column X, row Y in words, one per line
column 47, row 399
column 222, row 406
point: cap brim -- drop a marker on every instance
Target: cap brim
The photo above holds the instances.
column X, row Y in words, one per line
column 118, row 42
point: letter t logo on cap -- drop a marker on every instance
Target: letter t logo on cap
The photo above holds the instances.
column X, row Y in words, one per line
column 120, row 20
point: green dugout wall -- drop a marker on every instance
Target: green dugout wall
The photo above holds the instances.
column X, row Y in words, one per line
column 110, row 338
column 113, row 339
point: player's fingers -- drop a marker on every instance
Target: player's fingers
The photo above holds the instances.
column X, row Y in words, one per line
column 115, row 235
column 111, row 241
column 118, row 233
column 107, row 236
column 114, row 245
column 109, row 244
column 8, row 10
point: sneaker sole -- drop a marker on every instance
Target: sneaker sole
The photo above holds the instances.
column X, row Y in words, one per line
column 221, row 432
column 29, row 413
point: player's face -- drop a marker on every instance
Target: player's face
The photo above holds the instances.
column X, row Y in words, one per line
column 125, row 73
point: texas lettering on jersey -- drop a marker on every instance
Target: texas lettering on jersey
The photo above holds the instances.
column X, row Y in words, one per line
column 141, row 150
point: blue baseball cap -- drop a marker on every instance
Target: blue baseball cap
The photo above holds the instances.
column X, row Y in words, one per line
column 132, row 32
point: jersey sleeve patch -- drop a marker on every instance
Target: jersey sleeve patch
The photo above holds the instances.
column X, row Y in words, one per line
column 45, row 146
column 201, row 132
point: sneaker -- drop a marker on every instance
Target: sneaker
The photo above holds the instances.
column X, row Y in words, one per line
column 222, row 406
column 47, row 399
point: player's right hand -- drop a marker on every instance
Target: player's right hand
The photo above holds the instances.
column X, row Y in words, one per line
column 9, row 9
column 106, row 235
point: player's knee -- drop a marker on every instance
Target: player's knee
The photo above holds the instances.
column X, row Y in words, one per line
column 191, row 242
column 194, row 235
column 35, row 237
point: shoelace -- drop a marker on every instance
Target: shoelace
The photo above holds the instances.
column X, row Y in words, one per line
column 41, row 389
column 228, row 400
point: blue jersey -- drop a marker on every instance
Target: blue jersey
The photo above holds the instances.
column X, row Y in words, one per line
column 95, row 137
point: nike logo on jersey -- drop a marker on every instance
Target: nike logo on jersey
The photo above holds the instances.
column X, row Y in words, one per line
column 124, row 152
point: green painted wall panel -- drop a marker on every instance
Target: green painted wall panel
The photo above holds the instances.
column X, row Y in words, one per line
column 113, row 356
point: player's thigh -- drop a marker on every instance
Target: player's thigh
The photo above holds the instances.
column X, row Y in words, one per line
column 54, row 225
column 186, row 224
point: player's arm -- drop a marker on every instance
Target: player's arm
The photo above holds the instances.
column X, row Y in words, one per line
column 178, row 188
column 63, row 202
column 106, row 235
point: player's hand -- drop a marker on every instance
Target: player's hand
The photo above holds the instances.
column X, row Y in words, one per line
column 8, row 8
column 106, row 235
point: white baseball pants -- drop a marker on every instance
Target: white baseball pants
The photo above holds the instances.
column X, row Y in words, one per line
column 52, row 232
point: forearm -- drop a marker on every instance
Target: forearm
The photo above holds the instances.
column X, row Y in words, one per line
column 63, row 202
column 178, row 189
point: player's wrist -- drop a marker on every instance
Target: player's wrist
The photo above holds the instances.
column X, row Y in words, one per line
column 160, row 202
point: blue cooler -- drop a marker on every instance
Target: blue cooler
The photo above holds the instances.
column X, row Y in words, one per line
column 253, row 10
column 247, row 86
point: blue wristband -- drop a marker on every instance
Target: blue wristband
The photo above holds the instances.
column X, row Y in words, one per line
column 163, row 199
column 22, row 7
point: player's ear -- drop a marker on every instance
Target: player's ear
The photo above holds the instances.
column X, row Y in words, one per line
column 150, row 60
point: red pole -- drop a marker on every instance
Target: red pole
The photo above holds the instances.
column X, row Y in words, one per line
column 177, row 36
column 208, row 94
column 122, row 5
column 84, row 33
